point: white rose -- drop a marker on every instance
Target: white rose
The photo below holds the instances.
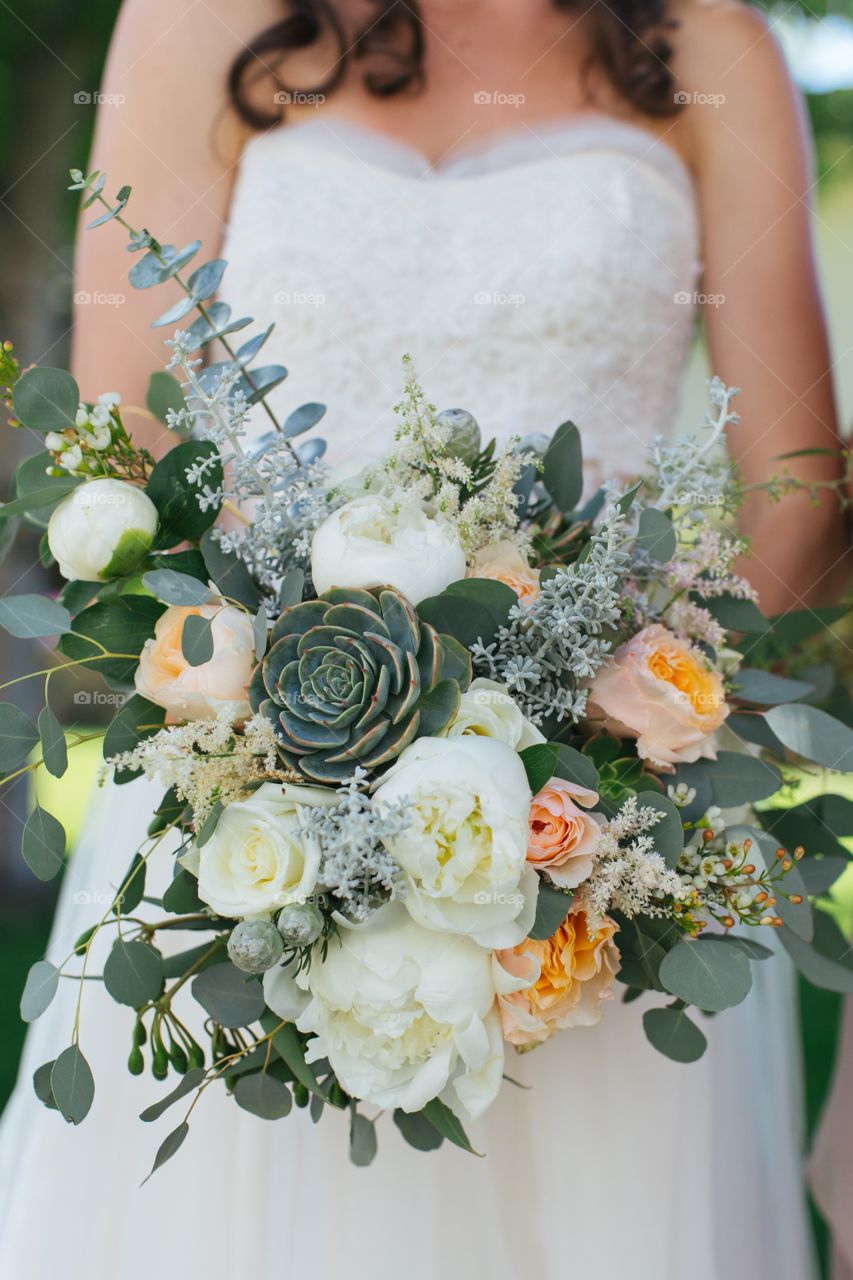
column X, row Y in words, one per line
column 101, row 530
column 258, row 859
column 464, row 851
column 375, row 542
column 402, row 1013
column 487, row 708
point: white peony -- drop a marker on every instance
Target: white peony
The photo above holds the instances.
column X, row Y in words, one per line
column 489, row 710
column 402, row 1013
column 375, row 541
column 101, row 530
column 464, row 851
column 258, row 859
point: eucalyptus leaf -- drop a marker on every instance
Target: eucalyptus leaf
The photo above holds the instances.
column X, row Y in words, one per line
column 674, row 1034
column 206, row 279
column 133, row 973
column 827, row 962
column 263, row 1096
column 72, row 1084
column 230, row 574
column 656, row 535
column 54, row 750
column 736, row 615
column 562, row 467
column 290, row 1047
column 32, row 616
column 18, row 737
column 137, row 720
column 813, row 734
column 175, row 313
column 231, row 997
column 197, row 639
column 39, row 990
column 668, row 834
column 46, row 399
column 417, row 1130
column 362, row 1140
column 469, row 610
column 763, row 687
column 41, row 1085
column 738, row 778
column 448, row 1124
column 546, row 760
column 706, row 973
column 132, row 888
column 259, row 632
column 168, row 1147
column 189, row 1083
column 164, row 394
column 176, row 588
column 209, row 825
column 303, row 419
column 43, row 844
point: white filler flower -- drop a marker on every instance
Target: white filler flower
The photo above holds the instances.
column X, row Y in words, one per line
column 376, row 541
column 260, row 858
column 464, row 851
column 402, row 1013
column 101, row 530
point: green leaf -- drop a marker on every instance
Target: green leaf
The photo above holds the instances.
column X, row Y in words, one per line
column 259, row 632
column 656, row 535
column 438, row 707
column 209, row 825
column 181, row 898
column 263, row 1095
column 753, row 685
column 121, row 626
column 232, row 577
column 205, row 280
column 448, row 1124
column 189, row 1083
column 18, row 737
column 46, row 399
column 176, row 500
column 469, row 610
column 706, row 973
column 31, row 616
column 133, row 973
column 164, row 393
column 290, row 1047
column 41, row 1085
column 562, row 467
column 132, row 887
column 137, row 720
column 176, row 588
column 43, row 845
column 362, row 1140
column 810, row 732
column 54, row 751
column 674, row 1034
column 39, row 990
column 828, row 961
column 797, row 916
column 736, row 615
column 197, row 639
column 232, row 998
column 417, row 1130
column 303, row 419
column 168, row 1147
column 668, row 834
column 552, row 907
column 546, row 760
column 738, row 778
column 72, row 1084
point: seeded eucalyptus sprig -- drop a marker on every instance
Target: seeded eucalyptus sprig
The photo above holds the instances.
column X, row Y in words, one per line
column 162, row 262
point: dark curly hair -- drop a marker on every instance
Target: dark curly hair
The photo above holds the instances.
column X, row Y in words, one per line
column 628, row 42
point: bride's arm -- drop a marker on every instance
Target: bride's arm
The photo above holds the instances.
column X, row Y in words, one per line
column 160, row 130
column 765, row 322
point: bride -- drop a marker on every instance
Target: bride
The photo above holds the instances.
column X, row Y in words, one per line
column 531, row 197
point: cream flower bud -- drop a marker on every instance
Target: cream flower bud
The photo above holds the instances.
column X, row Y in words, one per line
column 102, row 529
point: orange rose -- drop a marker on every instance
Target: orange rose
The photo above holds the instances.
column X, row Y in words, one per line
column 665, row 693
column 198, row 693
column 562, row 837
column 576, row 972
column 504, row 562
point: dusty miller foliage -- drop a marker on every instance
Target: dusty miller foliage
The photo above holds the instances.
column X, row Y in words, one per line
column 552, row 647
column 286, row 500
column 356, row 869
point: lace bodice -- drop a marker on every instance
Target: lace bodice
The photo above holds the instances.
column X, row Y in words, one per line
column 545, row 275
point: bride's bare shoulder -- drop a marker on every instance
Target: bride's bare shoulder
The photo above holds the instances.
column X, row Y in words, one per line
column 724, row 40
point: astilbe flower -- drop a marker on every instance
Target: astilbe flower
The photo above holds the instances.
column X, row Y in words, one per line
column 629, row 875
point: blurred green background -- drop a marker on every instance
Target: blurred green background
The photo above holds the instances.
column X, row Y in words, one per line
column 52, row 50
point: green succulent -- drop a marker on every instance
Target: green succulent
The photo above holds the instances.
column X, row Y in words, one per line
column 353, row 677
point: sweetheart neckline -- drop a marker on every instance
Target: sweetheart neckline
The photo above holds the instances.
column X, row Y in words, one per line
column 590, row 124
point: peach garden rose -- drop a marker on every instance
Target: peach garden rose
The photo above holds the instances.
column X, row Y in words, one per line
column 198, row 693
column 504, row 562
column 576, row 971
column 665, row 693
column 563, row 836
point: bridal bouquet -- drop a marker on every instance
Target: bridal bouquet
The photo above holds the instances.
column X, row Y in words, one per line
column 451, row 757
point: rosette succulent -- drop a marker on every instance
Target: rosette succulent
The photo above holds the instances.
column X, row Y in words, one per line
column 354, row 677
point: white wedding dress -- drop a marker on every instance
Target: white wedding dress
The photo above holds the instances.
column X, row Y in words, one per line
column 542, row 276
